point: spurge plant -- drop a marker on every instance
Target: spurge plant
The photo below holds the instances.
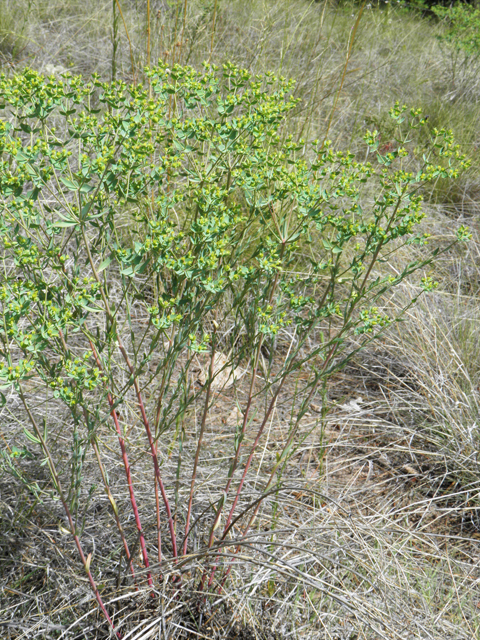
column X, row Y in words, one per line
column 149, row 231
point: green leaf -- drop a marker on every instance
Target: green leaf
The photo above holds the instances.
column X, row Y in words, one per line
column 73, row 186
column 85, row 210
column 66, row 218
column 92, row 309
column 64, row 223
column 31, row 437
column 127, row 272
column 104, row 264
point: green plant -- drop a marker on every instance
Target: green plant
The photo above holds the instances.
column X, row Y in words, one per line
column 141, row 234
column 462, row 27
column 462, row 33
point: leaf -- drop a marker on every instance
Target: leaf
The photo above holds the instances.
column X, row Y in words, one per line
column 113, row 503
column 65, row 224
column 30, row 170
column 66, row 218
column 33, row 194
column 31, row 437
column 3, row 400
column 85, row 210
column 73, row 186
column 91, row 309
column 104, row 264
column 144, row 266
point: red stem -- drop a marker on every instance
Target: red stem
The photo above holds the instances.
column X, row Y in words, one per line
column 237, row 453
column 126, row 464
column 252, row 452
column 244, row 426
column 272, row 474
column 244, row 475
column 152, row 449
column 114, row 508
column 71, row 523
column 89, row 574
column 159, row 532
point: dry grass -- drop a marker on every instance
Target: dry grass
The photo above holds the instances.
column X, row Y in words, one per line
column 375, row 529
column 377, row 526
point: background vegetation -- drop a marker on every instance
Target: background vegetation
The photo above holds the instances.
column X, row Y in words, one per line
column 389, row 546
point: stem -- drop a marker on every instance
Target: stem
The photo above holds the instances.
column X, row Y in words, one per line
column 73, row 529
column 246, row 414
column 242, row 481
column 183, row 28
column 114, row 40
column 152, row 447
column 147, row 428
column 115, row 510
column 252, row 451
column 126, row 464
column 199, row 445
column 148, row 34
column 159, row 531
column 174, row 40
column 129, row 41
column 265, row 491
column 344, row 74
column 213, row 30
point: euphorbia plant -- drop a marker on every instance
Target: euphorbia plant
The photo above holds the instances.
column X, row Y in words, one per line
column 140, row 233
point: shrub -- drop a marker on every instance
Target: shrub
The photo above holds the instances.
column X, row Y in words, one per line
column 462, row 36
column 145, row 228
column 462, row 27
